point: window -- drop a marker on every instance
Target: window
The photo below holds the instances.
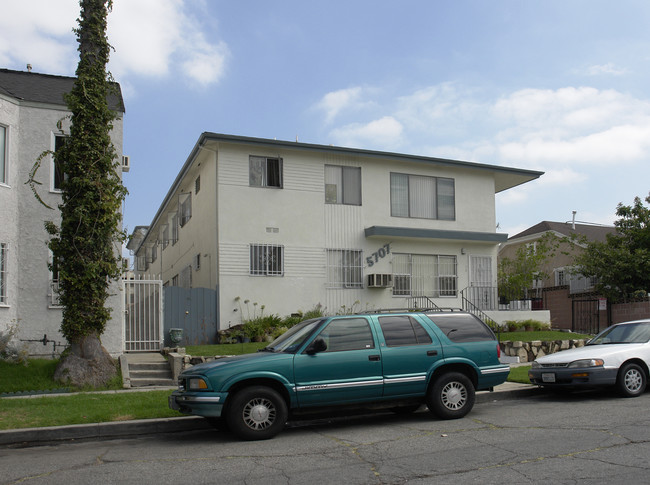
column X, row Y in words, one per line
column 186, row 208
column 154, row 251
column 186, row 277
column 164, row 235
column 347, row 334
column 266, row 260
column 175, row 280
column 422, row 197
column 403, row 330
column 174, row 224
column 462, row 327
column 3, row 155
column 197, row 262
column 197, row 185
column 265, row 172
column 560, row 277
column 342, row 185
column 344, row 268
column 54, row 280
column 424, row 275
column 3, row 273
column 58, row 176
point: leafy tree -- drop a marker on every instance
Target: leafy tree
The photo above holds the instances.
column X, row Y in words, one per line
column 85, row 246
column 517, row 275
column 621, row 264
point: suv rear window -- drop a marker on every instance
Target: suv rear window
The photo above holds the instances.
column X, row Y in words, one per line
column 462, row 327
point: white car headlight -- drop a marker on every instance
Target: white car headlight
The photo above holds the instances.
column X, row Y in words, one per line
column 587, row 363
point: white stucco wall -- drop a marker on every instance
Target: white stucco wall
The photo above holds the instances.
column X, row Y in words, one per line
column 32, row 128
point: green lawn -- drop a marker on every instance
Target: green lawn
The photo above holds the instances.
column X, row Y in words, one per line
column 519, row 374
column 541, row 335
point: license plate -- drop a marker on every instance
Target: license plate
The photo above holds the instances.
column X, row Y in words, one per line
column 548, row 377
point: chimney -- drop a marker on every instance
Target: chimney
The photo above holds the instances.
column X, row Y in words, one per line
column 573, row 221
column 29, row 68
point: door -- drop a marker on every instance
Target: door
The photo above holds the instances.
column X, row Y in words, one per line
column 408, row 352
column 480, row 282
column 143, row 317
column 350, row 370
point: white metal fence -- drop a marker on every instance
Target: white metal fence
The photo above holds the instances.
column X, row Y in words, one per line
column 143, row 315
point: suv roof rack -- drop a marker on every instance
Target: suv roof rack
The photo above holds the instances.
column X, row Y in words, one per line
column 412, row 310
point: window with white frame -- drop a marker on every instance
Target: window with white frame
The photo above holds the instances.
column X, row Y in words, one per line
column 265, row 172
column 185, row 208
column 266, row 260
column 54, row 280
column 3, row 273
column 4, row 179
column 344, row 268
column 561, row 278
column 342, row 185
column 422, row 197
column 57, row 172
column 425, row 275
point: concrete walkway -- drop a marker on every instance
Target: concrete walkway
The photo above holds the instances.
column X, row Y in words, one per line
column 125, row 429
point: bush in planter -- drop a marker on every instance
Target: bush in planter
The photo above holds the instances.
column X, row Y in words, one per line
column 529, row 325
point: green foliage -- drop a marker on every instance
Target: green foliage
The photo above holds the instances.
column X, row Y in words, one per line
column 86, row 245
column 10, row 351
column 544, row 335
column 621, row 264
column 529, row 325
column 517, row 275
column 258, row 327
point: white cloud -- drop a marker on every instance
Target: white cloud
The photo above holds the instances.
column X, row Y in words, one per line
column 384, row 133
column 39, row 32
column 608, row 68
column 336, row 101
column 154, row 38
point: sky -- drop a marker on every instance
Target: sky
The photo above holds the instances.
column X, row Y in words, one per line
column 559, row 86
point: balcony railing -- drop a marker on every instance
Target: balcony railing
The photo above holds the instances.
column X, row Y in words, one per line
column 491, row 299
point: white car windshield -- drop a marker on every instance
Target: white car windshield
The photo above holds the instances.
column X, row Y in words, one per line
column 631, row 333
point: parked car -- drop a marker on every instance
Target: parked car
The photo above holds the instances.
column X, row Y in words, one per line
column 393, row 360
column 618, row 356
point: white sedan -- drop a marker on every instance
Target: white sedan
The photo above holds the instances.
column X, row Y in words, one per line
column 618, row 356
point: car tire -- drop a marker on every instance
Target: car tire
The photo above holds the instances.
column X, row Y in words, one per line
column 257, row 413
column 451, row 396
column 631, row 381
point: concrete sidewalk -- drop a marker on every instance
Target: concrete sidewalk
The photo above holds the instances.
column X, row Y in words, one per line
column 125, row 429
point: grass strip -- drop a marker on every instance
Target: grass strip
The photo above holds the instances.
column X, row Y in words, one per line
column 519, row 374
column 83, row 408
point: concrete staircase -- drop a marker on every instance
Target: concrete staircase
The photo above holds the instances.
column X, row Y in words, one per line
column 146, row 370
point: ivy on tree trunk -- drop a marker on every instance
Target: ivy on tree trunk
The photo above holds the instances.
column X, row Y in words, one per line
column 85, row 246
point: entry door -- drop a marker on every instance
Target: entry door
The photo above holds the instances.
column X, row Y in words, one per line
column 480, row 281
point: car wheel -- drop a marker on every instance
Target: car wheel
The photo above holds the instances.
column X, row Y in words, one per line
column 631, row 380
column 451, row 396
column 257, row 413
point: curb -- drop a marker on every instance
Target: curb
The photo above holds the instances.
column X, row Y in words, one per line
column 140, row 427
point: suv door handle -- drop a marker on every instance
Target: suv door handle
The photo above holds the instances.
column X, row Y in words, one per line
column 373, row 358
column 431, row 353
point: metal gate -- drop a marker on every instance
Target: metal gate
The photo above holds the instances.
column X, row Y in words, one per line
column 143, row 315
column 585, row 316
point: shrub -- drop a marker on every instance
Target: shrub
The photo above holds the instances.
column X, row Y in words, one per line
column 9, row 350
column 530, row 324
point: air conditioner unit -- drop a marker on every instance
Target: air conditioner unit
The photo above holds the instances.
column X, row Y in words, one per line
column 126, row 163
column 380, row 280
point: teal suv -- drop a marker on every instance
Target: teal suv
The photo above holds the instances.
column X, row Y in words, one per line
column 390, row 360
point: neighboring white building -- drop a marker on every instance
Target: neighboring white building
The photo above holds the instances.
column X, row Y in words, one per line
column 33, row 119
column 291, row 225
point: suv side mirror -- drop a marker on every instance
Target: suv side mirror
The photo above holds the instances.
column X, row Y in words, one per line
column 316, row 346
